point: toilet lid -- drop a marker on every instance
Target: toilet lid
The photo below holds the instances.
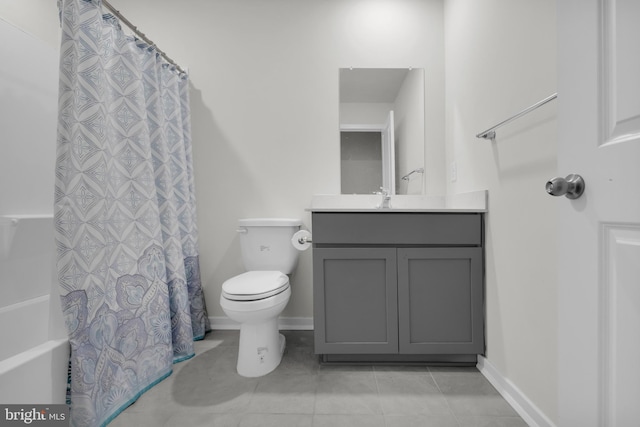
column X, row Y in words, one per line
column 254, row 285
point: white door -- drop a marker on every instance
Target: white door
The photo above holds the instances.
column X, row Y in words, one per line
column 599, row 233
column 388, row 155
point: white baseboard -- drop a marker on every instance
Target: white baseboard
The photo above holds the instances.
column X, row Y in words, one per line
column 222, row 322
column 529, row 412
column 284, row 323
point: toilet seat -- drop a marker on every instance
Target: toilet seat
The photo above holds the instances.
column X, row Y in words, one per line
column 255, row 285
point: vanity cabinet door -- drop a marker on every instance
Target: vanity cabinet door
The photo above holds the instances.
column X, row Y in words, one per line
column 440, row 298
column 355, row 300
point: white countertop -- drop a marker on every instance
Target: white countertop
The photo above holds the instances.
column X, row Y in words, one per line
column 465, row 202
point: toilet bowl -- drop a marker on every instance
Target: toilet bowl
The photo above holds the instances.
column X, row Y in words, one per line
column 256, row 298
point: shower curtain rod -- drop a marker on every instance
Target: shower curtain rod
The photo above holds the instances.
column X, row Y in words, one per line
column 491, row 134
column 141, row 35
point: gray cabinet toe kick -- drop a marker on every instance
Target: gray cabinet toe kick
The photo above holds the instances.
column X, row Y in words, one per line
column 398, row 287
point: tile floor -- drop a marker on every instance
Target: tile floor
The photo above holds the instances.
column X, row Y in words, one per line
column 207, row 391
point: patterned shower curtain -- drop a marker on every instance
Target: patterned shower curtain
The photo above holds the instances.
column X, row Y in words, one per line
column 124, row 214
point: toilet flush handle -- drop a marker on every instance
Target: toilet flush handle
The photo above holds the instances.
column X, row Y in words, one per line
column 242, row 230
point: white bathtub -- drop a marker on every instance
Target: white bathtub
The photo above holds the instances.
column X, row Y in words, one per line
column 34, row 350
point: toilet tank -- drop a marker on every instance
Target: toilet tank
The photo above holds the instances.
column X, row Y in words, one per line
column 265, row 243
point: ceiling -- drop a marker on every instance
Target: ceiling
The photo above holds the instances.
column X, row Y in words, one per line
column 371, row 84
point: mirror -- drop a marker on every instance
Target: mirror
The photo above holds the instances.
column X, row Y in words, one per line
column 381, row 130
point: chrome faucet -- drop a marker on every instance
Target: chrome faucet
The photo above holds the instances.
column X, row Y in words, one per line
column 385, row 203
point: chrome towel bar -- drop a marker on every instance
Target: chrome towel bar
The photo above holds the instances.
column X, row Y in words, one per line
column 491, row 134
column 418, row 170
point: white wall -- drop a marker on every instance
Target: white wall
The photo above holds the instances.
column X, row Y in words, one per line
column 36, row 17
column 265, row 121
column 409, row 133
column 265, row 103
column 28, row 117
column 31, row 322
column 365, row 113
column 500, row 58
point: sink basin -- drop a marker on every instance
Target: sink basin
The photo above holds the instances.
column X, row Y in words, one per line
column 470, row 202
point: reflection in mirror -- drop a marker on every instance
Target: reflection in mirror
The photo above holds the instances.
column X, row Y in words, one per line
column 360, row 162
column 382, row 130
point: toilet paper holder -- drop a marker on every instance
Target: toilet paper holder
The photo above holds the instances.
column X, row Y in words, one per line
column 304, row 239
column 301, row 240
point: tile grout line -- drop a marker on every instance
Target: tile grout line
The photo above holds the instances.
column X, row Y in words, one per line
column 379, row 400
column 445, row 398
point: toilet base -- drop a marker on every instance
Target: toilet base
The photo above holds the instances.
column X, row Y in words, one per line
column 261, row 348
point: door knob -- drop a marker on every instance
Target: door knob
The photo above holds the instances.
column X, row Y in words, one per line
column 572, row 186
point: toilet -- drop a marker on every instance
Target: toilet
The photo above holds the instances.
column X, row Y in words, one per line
column 256, row 298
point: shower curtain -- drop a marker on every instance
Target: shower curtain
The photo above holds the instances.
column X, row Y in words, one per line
column 124, row 214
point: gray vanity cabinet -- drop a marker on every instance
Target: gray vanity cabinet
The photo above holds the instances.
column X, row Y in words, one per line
column 398, row 286
column 440, row 301
column 358, row 302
